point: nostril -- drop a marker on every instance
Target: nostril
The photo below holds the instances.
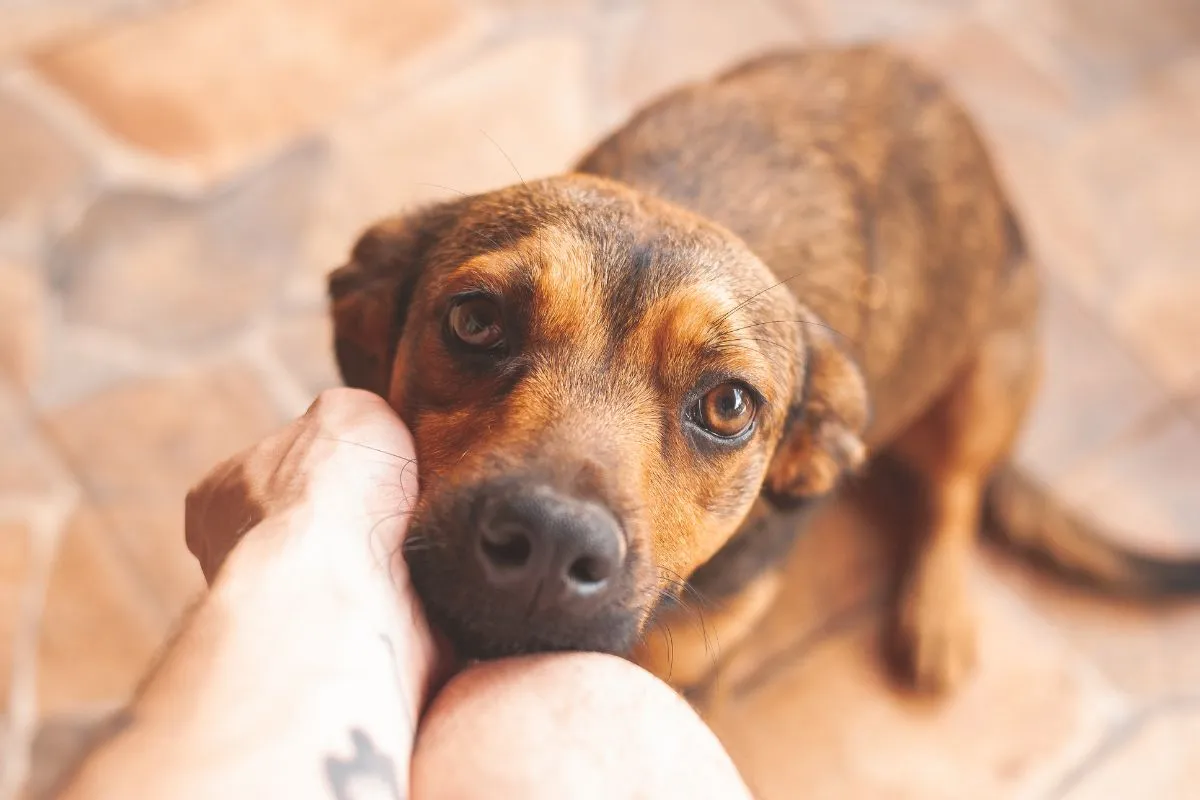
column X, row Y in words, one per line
column 509, row 547
column 589, row 570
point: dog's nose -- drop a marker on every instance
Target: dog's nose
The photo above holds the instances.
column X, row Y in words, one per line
column 542, row 547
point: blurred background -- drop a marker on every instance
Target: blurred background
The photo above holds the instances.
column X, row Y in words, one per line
column 176, row 176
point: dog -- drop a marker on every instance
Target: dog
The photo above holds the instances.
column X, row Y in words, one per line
column 644, row 376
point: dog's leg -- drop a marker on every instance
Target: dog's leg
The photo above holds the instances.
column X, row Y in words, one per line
column 952, row 450
column 687, row 644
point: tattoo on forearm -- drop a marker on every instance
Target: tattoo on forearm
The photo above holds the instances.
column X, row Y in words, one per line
column 367, row 774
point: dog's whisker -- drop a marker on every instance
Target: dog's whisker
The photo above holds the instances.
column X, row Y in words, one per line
column 757, row 295
column 446, row 188
column 697, row 608
column 795, row 321
column 368, row 447
column 506, row 156
column 387, row 518
column 670, row 640
column 742, row 342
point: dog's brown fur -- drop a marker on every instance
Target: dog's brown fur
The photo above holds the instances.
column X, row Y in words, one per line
column 826, row 226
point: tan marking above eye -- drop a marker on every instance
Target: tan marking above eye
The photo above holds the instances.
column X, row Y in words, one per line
column 476, row 322
column 727, row 410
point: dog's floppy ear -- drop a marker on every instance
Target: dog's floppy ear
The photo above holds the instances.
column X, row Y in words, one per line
column 369, row 295
column 828, row 416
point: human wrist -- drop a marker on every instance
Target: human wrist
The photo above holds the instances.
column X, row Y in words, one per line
column 286, row 673
column 302, row 570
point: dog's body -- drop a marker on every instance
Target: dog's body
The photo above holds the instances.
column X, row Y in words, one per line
column 865, row 286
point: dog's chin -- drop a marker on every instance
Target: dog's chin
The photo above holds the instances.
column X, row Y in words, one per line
column 472, row 643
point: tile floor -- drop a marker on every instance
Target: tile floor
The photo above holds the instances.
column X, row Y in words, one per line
column 177, row 175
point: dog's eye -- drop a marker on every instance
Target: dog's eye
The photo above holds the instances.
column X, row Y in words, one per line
column 475, row 321
column 727, row 410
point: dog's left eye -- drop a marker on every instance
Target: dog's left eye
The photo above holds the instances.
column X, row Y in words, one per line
column 475, row 321
column 727, row 411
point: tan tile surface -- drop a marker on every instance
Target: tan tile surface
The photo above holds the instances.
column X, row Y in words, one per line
column 133, row 303
column 16, row 548
column 830, row 723
column 1093, row 391
column 303, row 340
column 517, row 112
column 60, row 742
column 153, row 80
column 39, row 164
column 669, row 42
column 98, row 632
column 30, row 470
column 24, row 312
column 1101, row 48
column 1150, row 283
column 28, row 25
column 1149, row 650
column 165, row 271
column 1158, row 757
column 871, row 20
column 138, row 448
column 1145, row 489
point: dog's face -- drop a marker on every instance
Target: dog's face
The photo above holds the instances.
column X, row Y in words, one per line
column 599, row 386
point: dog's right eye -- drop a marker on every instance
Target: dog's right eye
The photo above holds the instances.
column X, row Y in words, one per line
column 476, row 322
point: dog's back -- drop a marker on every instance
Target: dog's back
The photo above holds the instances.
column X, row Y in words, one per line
column 853, row 174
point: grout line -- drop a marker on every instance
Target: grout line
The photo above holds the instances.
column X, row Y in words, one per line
column 287, row 392
column 1112, row 743
column 45, row 531
column 791, row 654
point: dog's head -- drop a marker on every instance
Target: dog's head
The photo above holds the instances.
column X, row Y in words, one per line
column 599, row 385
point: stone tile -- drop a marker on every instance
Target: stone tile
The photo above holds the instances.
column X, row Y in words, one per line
column 31, row 24
column 173, row 272
column 662, row 44
column 1160, row 758
column 1140, row 165
column 522, row 103
column 831, row 724
column 1150, row 650
column 1052, row 203
column 138, row 447
column 1159, row 317
column 280, row 67
column 837, row 570
column 1101, row 49
column 24, row 318
column 30, row 469
column 40, row 167
column 1029, row 120
column 1191, row 402
column 1092, row 390
column 16, row 562
column 871, row 20
column 99, row 630
column 58, row 745
column 1006, row 94
column 304, row 342
column 1144, row 489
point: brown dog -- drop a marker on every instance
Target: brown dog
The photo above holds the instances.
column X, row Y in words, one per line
column 642, row 375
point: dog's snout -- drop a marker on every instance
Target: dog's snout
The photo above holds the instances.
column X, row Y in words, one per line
column 542, row 548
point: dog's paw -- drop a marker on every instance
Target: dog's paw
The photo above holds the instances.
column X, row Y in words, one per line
column 933, row 633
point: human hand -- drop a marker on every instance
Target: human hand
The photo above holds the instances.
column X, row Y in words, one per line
column 325, row 501
column 347, row 461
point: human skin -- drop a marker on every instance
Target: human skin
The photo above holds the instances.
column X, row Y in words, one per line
column 308, row 669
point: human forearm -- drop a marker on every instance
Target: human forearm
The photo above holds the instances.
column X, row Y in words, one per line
column 294, row 678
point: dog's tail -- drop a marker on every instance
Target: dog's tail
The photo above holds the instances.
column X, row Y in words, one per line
column 1024, row 516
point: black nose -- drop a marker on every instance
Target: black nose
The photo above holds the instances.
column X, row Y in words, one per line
column 542, row 547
